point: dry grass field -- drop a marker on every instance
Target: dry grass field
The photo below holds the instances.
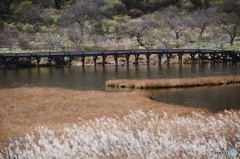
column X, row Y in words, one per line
column 22, row 109
column 62, row 123
column 172, row 83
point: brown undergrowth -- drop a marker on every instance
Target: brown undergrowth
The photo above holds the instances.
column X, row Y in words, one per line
column 22, row 109
column 174, row 83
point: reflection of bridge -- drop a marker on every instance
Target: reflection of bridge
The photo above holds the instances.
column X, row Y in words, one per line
column 213, row 55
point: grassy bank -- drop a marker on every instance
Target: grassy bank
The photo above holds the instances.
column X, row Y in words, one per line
column 173, row 83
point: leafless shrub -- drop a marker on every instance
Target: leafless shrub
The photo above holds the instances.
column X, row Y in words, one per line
column 75, row 35
column 135, row 13
column 23, row 42
column 173, row 21
column 229, row 18
column 52, row 40
column 31, row 14
column 8, row 37
column 202, row 19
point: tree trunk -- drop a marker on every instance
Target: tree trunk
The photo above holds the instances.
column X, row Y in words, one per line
column 232, row 40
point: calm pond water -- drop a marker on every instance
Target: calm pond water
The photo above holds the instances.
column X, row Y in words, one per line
column 91, row 78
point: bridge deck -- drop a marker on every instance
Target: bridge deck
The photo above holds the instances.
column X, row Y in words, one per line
column 226, row 55
column 113, row 52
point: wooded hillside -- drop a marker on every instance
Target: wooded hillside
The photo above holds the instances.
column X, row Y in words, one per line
column 118, row 24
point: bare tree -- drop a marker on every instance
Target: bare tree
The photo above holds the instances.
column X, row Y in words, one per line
column 8, row 36
column 201, row 19
column 175, row 20
column 31, row 14
column 7, row 40
column 74, row 35
column 52, row 40
column 81, row 13
column 229, row 17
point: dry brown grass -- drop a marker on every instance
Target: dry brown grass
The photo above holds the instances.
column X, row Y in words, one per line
column 22, row 109
column 173, row 83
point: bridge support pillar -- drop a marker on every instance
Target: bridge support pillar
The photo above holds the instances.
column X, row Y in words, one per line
column 16, row 61
column 159, row 59
column 116, row 59
column 50, row 60
column 104, row 59
column 70, row 61
column 127, row 58
column 224, row 57
column 136, row 58
column 180, row 58
column 4, row 62
column 201, row 56
column 95, row 60
column 168, row 58
column 192, row 55
column 29, row 62
column 83, row 60
column 148, row 58
column 38, row 61
column 212, row 56
column 62, row 61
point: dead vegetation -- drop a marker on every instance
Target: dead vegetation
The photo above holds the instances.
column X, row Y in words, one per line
column 22, row 109
column 174, row 83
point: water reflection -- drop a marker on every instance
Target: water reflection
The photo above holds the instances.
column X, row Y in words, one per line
column 94, row 78
column 213, row 98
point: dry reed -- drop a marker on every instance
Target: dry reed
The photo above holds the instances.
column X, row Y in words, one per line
column 22, row 109
column 174, row 83
column 137, row 135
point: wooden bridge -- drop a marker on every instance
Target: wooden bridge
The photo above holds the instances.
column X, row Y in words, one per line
column 63, row 57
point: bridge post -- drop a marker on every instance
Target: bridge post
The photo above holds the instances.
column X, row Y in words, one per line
column 16, row 61
column 38, row 61
column 168, row 57
column 192, row 55
column 103, row 59
column 83, row 60
column 95, row 60
column 235, row 57
column 148, row 57
column 70, row 58
column 127, row 58
column 4, row 62
column 224, row 57
column 29, row 62
column 159, row 58
column 180, row 58
column 212, row 57
column 50, row 60
column 62, row 61
column 136, row 58
column 116, row 58
column 201, row 55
